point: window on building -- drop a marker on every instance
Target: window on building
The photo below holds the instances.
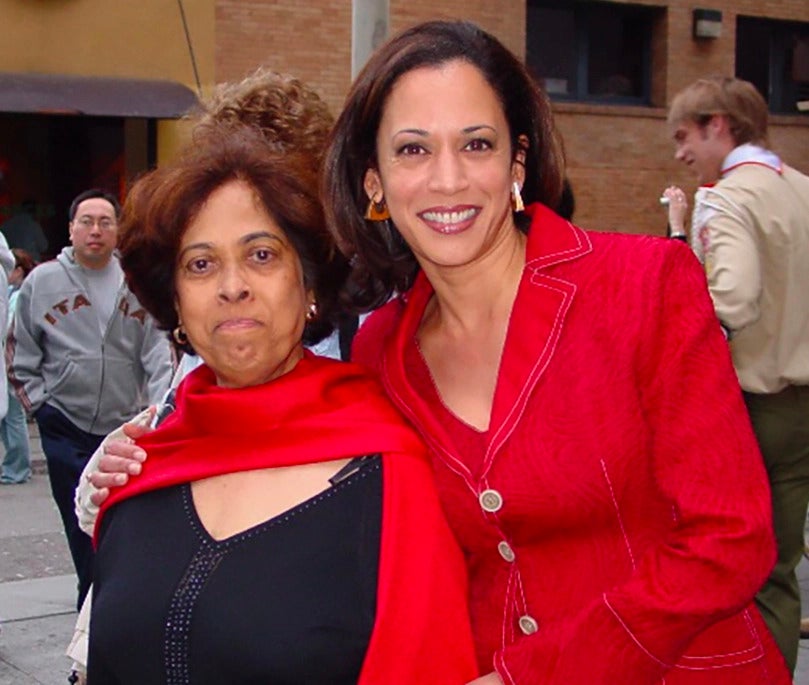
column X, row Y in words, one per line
column 591, row 50
column 774, row 55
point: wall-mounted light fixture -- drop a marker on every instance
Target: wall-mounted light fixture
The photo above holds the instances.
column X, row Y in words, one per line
column 707, row 23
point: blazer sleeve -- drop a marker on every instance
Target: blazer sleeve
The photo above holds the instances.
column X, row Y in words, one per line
column 707, row 464
column 372, row 335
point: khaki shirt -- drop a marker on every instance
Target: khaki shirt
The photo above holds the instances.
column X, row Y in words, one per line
column 751, row 231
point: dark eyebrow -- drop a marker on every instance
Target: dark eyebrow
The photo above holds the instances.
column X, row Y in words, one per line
column 250, row 237
column 478, row 127
column 467, row 130
column 415, row 131
column 194, row 246
column 94, row 216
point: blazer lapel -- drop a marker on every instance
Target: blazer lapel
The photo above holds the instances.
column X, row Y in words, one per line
column 537, row 321
column 535, row 326
column 396, row 380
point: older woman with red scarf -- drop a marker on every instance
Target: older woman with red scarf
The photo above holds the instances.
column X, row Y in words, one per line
column 285, row 504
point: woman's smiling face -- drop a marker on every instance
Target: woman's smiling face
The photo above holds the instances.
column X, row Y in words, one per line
column 445, row 164
column 240, row 289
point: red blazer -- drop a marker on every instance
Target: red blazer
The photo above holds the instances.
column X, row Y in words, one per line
column 634, row 499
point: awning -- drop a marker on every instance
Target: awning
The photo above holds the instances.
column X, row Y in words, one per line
column 94, row 96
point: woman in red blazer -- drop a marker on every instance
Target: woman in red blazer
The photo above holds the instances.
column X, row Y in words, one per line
column 590, row 443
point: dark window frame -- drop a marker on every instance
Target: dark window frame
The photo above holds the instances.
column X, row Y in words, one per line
column 781, row 94
column 583, row 16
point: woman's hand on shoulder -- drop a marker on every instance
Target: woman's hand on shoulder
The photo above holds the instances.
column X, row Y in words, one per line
column 490, row 679
column 121, row 459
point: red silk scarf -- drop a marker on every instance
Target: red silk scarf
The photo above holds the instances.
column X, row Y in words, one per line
column 320, row 411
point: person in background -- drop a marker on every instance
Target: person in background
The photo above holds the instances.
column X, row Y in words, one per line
column 16, row 466
column 674, row 201
column 83, row 356
column 277, row 506
column 23, row 231
column 750, row 230
column 590, row 442
column 6, row 268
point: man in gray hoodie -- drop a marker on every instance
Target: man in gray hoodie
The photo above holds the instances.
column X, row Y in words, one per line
column 83, row 355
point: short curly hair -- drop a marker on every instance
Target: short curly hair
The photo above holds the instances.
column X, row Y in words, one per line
column 289, row 114
column 161, row 205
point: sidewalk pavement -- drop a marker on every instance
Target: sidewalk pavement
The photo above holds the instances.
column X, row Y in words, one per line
column 801, row 676
column 38, row 587
column 38, row 620
column 37, row 583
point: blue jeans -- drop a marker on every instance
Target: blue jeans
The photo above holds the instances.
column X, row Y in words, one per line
column 67, row 449
column 16, row 466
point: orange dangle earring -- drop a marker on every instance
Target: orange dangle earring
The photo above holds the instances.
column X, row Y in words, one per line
column 377, row 211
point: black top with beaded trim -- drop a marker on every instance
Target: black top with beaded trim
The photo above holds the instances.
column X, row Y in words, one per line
column 291, row 600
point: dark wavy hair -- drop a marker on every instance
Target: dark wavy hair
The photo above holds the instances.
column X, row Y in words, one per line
column 161, row 205
column 382, row 262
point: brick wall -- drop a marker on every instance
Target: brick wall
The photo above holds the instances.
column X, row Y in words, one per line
column 310, row 39
column 506, row 20
column 619, row 158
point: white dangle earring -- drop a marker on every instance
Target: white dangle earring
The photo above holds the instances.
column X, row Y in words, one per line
column 516, row 199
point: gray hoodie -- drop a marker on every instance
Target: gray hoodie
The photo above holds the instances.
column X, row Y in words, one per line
column 56, row 354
